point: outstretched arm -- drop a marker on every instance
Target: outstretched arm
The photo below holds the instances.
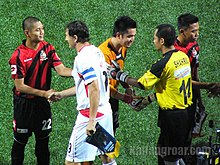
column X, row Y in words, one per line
column 63, row 71
column 116, row 73
column 213, row 88
column 23, row 88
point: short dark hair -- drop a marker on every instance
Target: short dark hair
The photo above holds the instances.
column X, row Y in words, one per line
column 185, row 20
column 28, row 22
column 122, row 24
column 79, row 29
column 167, row 32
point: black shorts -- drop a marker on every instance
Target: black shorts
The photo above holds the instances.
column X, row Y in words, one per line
column 115, row 113
column 174, row 127
column 31, row 115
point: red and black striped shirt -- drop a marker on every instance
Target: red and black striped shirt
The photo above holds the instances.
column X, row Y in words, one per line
column 34, row 65
column 192, row 51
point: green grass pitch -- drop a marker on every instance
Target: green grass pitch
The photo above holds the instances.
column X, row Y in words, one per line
column 138, row 132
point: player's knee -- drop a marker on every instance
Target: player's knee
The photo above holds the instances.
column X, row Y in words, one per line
column 21, row 139
column 17, row 153
column 42, row 150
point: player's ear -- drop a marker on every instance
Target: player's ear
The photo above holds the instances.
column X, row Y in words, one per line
column 75, row 37
column 182, row 31
column 26, row 32
column 117, row 35
column 162, row 41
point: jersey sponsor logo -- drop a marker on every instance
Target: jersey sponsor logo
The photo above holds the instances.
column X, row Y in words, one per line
column 181, row 73
column 19, row 130
column 194, row 53
column 43, row 56
column 180, row 62
column 13, row 69
column 29, row 59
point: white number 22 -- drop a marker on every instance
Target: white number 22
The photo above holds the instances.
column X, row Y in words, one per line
column 46, row 124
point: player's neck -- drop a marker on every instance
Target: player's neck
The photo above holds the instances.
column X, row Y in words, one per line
column 167, row 49
column 182, row 41
column 80, row 46
column 117, row 46
column 32, row 45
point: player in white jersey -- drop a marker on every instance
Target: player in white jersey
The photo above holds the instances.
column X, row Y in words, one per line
column 92, row 93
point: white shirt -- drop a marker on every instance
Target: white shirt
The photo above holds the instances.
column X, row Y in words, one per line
column 89, row 65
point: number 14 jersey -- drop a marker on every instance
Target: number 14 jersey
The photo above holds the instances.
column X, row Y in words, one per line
column 171, row 76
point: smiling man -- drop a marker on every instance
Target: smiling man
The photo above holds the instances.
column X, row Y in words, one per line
column 31, row 65
column 115, row 48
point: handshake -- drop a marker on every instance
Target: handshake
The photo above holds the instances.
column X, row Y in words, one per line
column 53, row 96
column 137, row 103
column 140, row 103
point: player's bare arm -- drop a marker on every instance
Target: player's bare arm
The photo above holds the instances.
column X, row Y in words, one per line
column 21, row 87
column 213, row 87
column 94, row 97
column 63, row 94
column 63, row 71
column 119, row 96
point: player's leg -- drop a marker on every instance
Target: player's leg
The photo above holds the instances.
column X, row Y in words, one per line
column 22, row 128
column 115, row 113
column 42, row 129
column 17, row 154
column 174, row 132
column 79, row 151
column 42, row 151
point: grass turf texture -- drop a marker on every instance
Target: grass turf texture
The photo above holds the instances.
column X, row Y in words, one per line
column 138, row 132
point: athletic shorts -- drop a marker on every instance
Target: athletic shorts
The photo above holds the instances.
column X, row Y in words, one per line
column 115, row 112
column 79, row 150
column 31, row 115
column 174, row 130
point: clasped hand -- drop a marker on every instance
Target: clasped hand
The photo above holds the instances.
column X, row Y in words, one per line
column 115, row 72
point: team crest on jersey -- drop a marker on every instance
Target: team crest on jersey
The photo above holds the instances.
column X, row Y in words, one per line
column 194, row 53
column 13, row 69
column 43, row 56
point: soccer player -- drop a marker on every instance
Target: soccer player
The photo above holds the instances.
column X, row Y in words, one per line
column 31, row 65
column 115, row 48
column 171, row 78
column 186, row 41
column 92, row 93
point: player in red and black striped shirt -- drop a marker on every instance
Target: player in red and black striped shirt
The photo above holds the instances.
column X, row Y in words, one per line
column 31, row 65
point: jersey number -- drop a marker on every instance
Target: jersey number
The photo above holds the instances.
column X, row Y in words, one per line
column 185, row 88
column 46, row 124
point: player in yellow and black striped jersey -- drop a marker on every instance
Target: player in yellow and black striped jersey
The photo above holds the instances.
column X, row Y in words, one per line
column 171, row 78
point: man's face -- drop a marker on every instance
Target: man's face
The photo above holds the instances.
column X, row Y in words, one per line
column 71, row 40
column 157, row 42
column 127, row 39
column 191, row 34
column 36, row 32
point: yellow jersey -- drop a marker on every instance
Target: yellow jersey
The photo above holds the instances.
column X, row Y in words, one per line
column 171, row 77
